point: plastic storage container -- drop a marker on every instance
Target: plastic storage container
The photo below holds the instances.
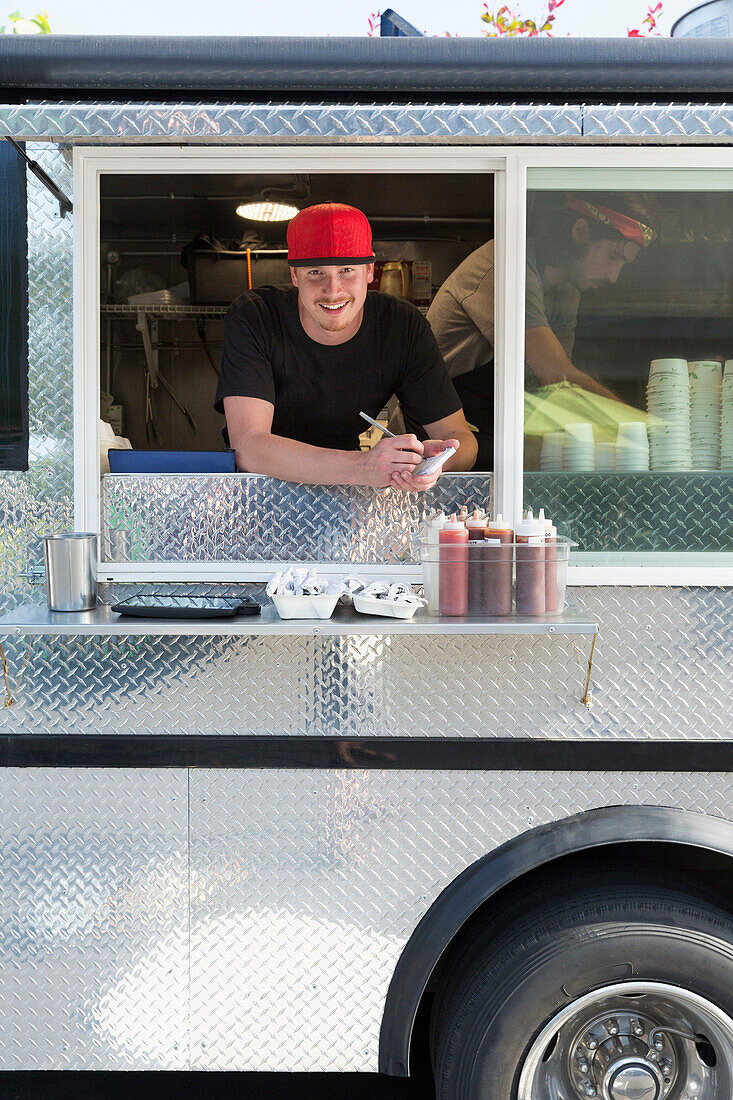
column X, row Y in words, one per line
column 306, row 607
column 499, row 565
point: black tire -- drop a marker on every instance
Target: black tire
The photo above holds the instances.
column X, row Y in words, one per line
column 543, row 951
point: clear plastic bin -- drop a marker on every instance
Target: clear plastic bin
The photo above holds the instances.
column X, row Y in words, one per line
column 496, row 581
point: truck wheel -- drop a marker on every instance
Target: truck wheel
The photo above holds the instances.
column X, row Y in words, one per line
column 618, row 990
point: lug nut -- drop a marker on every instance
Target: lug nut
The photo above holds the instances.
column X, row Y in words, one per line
column 592, row 1042
column 637, row 1027
column 583, row 1065
column 611, row 1026
column 590, row 1089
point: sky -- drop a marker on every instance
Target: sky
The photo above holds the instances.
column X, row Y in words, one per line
column 334, row 17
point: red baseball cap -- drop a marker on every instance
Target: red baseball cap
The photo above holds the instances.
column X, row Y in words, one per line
column 329, row 233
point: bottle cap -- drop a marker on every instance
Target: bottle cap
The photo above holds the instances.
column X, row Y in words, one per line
column 475, row 523
column 454, row 524
column 547, row 525
column 530, row 527
column 438, row 520
column 499, row 523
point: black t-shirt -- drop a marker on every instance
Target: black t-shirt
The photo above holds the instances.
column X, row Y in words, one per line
column 319, row 389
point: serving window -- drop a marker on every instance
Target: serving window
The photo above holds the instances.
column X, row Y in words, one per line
column 628, row 380
column 177, row 249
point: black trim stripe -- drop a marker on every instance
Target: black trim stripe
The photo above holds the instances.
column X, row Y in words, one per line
column 391, row 753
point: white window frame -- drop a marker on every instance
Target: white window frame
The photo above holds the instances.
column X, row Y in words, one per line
column 509, row 167
column 90, row 163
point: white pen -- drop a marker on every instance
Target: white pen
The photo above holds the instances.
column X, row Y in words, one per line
column 376, row 424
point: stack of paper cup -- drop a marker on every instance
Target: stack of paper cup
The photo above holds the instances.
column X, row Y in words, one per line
column 632, row 447
column 605, row 457
column 705, row 415
column 668, row 404
column 726, row 418
column 580, row 449
column 551, row 453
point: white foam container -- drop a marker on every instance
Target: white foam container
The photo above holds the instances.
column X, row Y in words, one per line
column 306, row 607
column 371, row 605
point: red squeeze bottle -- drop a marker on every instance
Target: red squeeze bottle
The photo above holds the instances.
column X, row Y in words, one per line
column 530, row 567
column 499, row 567
column 476, row 525
column 552, row 594
column 453, row 568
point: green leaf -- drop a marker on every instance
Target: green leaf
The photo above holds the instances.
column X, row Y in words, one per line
column 15, row 17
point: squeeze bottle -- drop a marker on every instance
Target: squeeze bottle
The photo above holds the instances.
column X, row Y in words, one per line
column 476, row 526
column 530, row 567
column 552, row 591
column 453, row 572
column 430, row 570
column 499, row 566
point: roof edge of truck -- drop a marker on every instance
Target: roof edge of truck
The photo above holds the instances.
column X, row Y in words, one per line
column 56, row 67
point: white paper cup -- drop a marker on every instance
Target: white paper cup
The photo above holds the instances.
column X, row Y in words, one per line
column 705, row 372
column 668, row 366
column 582, row 432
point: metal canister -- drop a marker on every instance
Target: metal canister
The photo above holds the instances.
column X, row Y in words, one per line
column 71, row 571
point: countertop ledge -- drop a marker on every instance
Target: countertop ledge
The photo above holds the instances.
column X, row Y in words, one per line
column 36, row 619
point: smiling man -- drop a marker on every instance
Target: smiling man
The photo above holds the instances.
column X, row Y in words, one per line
column 300, row 363
column 574, row 245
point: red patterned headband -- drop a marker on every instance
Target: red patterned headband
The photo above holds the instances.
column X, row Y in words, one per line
column 630, row 228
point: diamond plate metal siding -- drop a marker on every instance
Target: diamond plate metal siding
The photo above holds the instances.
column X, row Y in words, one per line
column 116, row 123
column 666, row 122
column 684, row 512
column 662, row 671
column 40, row 500
column 110, row 123
column 306, row 886
column 95, row 886
column 199, row 519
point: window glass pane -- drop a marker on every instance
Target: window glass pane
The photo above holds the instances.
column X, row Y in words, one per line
column 629, row 362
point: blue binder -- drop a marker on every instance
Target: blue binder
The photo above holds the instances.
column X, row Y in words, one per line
column 171, row 462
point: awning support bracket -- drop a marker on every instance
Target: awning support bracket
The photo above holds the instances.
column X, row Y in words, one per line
column 65, row 204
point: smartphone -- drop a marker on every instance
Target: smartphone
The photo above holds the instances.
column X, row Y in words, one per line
column 431, row 465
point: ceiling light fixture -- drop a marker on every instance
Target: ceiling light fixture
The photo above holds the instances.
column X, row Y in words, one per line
column 267, row 211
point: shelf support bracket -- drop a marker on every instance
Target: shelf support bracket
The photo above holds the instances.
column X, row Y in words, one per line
column 586, row 692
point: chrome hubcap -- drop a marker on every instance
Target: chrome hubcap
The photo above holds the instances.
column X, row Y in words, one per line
column 633, row 1041
column 633, row 1082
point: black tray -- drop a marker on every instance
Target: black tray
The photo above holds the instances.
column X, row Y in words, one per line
column 158, row 606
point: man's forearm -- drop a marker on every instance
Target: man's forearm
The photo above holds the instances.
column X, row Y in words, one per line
column 291, row 460
column 550, row 364
column 580, row 378
column 465, row 456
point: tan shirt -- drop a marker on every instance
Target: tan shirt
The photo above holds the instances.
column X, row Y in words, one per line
column 462, row 313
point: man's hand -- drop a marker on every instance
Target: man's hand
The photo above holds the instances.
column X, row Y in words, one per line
column 416, row 483
column 391, row 458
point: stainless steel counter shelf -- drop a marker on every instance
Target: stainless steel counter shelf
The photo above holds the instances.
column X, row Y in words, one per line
column 34, row 619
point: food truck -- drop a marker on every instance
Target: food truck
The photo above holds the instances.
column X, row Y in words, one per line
column 254, row 843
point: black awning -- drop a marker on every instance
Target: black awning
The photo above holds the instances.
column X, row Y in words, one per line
column 381, row 69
